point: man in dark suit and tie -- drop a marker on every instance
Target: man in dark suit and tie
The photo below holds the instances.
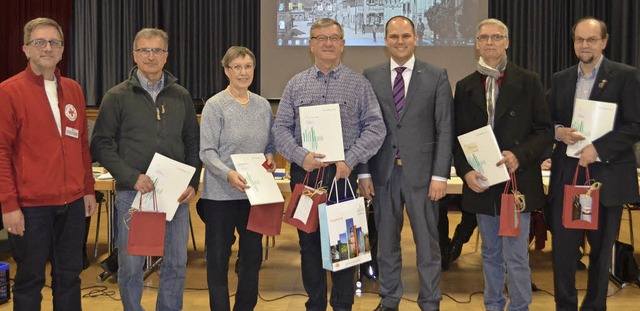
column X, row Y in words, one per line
column 593, row 78
column 413, row 164
column 511, row 100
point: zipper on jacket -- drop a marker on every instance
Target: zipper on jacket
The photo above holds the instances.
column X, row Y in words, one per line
column 64, row 171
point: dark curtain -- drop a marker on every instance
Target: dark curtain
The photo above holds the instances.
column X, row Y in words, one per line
column 200, row 32
column 540, row 31
column 13, row 16
column 98, row 47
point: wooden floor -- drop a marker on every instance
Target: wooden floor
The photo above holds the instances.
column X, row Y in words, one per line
column 281, row 285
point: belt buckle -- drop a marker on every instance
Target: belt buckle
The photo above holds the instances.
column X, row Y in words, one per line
column 398, row 161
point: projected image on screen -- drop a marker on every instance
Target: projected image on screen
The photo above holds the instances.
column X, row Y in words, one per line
column 437, row 22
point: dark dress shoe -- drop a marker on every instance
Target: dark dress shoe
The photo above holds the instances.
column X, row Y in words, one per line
column 380, row 307
column 455, row 251
column 445, row 260
column 369, row 269
column 111, row 263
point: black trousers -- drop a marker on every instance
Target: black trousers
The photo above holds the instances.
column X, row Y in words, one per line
column 222, row 218
column 464, row 230
column 54, row 233
column 566, row 243
column 314, row 277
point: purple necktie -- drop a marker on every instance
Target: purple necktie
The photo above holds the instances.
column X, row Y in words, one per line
column 398, row 91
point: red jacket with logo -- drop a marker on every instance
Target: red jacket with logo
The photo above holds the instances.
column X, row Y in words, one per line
column 38, row 165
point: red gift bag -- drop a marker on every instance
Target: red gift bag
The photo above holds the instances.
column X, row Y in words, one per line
column 317, row 196
column 511, row 204
column 266, row 218
column 146, row 231
column 581, row 204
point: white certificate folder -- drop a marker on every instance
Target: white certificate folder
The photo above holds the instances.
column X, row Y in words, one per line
column 592, row 119
column 321, row 131
column 264, row 189
column 171, row 178
column 481, row 149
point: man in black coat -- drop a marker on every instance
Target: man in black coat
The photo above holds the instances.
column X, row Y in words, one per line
column 511, row 100
column 593, row 78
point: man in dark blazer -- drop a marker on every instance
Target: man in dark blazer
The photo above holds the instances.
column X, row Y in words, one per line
column 413, row 164
column 511, row 100
column 594, row 78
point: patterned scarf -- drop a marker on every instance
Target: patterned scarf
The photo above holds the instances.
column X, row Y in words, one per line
column 491, row 85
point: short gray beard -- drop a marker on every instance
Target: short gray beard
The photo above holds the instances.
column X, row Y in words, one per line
column 587, row 59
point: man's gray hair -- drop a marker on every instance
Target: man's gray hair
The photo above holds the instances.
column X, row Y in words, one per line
column 326, row 22
column 149, row 33
column 493, row 21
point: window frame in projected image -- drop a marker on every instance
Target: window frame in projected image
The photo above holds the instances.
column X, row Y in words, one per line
column 294, row 19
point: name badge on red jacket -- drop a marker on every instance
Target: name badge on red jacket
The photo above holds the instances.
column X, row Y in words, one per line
column 71, row 132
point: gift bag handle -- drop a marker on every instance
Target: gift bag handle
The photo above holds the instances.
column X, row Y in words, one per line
column 519, row 198
column 334, row 183
column 155, row 202
column 511, row 182
column 575, row 176
column 319, row 178
column 595, row 186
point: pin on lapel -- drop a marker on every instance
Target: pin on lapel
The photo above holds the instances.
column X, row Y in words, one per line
column 602, row 84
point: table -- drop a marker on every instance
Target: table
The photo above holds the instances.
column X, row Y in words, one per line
column 108, row 186
column 454, row 186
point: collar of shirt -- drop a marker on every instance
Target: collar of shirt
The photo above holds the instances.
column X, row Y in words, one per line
column 584, row 84
column 594, row 72
column 334, row 73
column 152, row 88
column 406, row 74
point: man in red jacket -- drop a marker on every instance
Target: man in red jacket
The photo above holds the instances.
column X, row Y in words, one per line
column 46, row 185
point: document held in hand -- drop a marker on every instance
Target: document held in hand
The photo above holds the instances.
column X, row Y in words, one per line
column 321, row 131
column 264, row 189
column 171, row 179
column 481, row 149
column 592, row 119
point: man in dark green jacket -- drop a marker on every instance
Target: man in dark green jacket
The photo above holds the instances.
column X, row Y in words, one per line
column 148, row 113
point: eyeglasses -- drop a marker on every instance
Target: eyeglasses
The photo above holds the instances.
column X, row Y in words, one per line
column 238, row 68
column 590, row 41
column 148, row 51
column 494, row 37
column 325, row 38
column 41, row 43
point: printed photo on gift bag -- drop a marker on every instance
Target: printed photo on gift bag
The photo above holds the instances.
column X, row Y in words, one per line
column 344, row 233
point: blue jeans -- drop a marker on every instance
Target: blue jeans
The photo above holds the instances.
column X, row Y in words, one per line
column 174, row 264
column 511, row 253
column 54, row 233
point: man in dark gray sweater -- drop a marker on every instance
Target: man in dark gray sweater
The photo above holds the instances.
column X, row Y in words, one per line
column 145, row 114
